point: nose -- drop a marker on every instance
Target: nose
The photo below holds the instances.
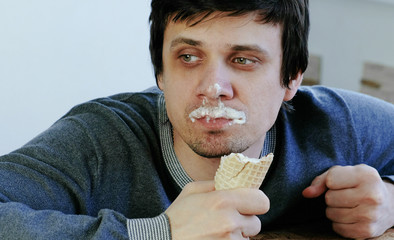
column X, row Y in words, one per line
column 215, row 83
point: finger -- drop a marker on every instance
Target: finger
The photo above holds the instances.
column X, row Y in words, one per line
column 357, row 230
column 251, row 226
column 359, row 214
column 237, row 235
column 317, row 187
column 345, row 198
column 198, row 187
column 347, row 230
column 341, row 215
column 251, row 202
column 341, row 177
column 246, row 201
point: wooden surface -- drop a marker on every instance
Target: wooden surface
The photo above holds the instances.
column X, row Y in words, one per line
column 315, row 233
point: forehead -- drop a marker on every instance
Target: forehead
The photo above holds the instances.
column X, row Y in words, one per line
column 205, row 18
column 224, row 29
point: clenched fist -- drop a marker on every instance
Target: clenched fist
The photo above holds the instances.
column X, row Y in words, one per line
column 359, row 203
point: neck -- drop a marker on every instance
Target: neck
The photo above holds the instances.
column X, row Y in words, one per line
column 197, row 167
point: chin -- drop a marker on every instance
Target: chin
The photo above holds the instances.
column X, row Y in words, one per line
column 218, row 144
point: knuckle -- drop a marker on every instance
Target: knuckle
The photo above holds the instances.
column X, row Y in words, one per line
column 229, row 225
column 328, row 213
column 331, row 199
column 367, row 217
column 358, row 231
column 375, row 198
column 373, row 216
column 264, row 202
column 266, row 207
column 368, row 173
column 342, row 230
column 328, row 197
column 368, row 231
column 330, row 182
column 332, row 175
column 257, row 224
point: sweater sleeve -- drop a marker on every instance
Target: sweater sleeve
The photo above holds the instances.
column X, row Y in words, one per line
column 47, row 193
column 19, row 221
column 76, row 181
column 149, row 228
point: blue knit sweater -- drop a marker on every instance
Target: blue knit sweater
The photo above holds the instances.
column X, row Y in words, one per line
column 107, row 169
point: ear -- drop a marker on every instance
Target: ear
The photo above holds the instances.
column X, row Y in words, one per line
column 159, row 81
column 294, row 84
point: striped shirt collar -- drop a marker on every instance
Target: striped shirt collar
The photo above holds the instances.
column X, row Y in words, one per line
column 173, row 165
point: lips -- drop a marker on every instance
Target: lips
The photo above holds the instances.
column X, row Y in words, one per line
column 214, row 123
column 218, row 115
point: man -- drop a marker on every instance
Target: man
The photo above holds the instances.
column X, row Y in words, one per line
column 140, row 166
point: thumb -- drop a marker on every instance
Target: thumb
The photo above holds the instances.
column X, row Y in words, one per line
column 317, row 187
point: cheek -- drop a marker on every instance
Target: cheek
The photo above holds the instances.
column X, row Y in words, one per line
column 172, row 103
column 176, row 104
column 264, row 107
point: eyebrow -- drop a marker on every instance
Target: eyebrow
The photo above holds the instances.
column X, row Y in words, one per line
column 187, row 41
column 236, row 48
column 251, row 48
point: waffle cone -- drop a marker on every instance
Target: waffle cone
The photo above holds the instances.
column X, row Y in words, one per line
column 238, row 171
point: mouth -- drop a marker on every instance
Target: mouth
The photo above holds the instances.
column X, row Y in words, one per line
column 214, row 124
column 218, row 115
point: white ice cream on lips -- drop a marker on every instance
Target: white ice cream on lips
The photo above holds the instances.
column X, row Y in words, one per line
column 220, row 111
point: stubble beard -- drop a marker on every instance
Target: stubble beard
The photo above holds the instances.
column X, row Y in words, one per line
column 215, row 145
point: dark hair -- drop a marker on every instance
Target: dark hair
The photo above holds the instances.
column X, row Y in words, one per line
column 292, row 15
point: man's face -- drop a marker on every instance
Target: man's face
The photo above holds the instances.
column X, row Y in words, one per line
column 221, row 81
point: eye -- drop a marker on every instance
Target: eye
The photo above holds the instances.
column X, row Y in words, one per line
column 243, row 61
column 189, row 58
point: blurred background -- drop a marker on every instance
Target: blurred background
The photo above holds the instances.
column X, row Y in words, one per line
column 56, row 54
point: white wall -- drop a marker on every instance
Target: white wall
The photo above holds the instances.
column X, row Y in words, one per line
column 347, row 33
column 56, row 54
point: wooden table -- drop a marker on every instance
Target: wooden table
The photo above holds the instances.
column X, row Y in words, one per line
column 311, row 232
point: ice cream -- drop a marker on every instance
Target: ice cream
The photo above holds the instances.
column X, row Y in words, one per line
column 220, row 111
column 238, row 171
